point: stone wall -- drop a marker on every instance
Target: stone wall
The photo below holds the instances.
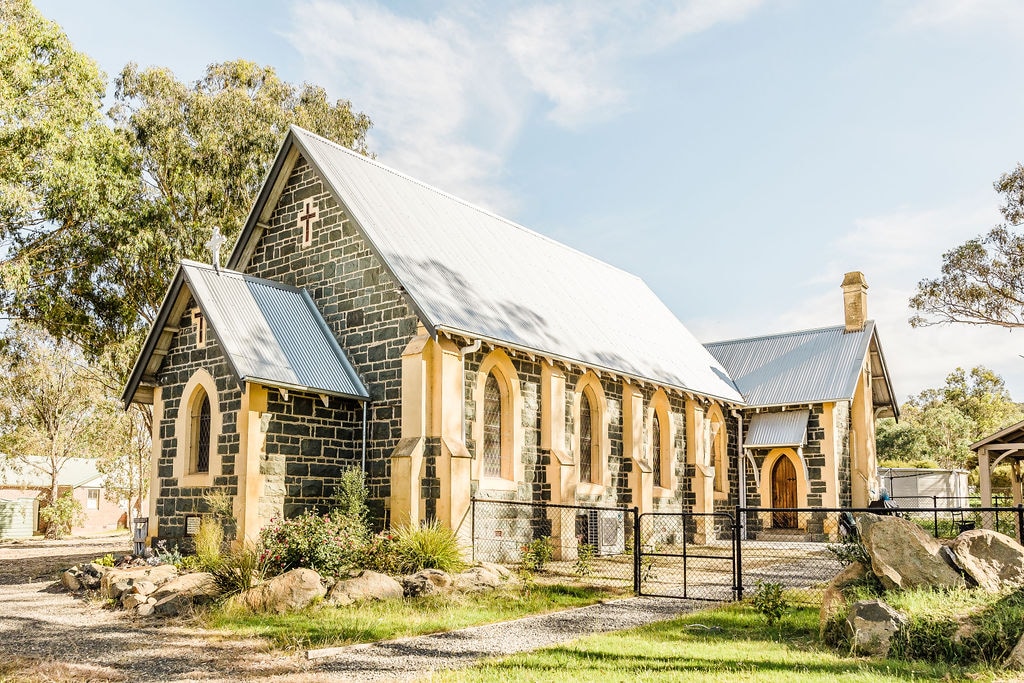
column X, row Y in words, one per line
column 364, row 308
column 184, row 357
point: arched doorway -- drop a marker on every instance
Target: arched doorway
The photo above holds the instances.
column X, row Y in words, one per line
column 784, row 493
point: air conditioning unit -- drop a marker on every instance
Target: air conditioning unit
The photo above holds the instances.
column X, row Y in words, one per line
column 602, row 529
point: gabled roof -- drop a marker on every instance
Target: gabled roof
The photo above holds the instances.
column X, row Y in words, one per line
column 810, row 366
column 270, row 333
column 775, row 430
column 469, row 272
column 1014, row 434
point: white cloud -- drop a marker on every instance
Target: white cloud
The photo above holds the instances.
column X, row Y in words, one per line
column 895, row 251
column 998, row 14
column 450, row 93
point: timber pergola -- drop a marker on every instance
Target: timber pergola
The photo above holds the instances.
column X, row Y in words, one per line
column 1006, row 445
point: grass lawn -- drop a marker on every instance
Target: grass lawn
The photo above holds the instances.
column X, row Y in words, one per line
column 371, row 621
column 730, row 643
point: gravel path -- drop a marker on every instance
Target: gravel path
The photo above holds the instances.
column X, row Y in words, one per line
column 412, row 658
column 50, row 635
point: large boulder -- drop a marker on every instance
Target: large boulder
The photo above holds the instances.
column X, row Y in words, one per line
column 426, row 582
column 1016, row 658
column 904, row 556
column 290, row 591
column 833, row 601
column 993, row 560
column 367, row 586
column 476, row 579
column 117, row 581
column 872, row 624
column 179, row 595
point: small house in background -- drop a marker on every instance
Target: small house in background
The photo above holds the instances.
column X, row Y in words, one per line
column 924, row 487
column 25, row 484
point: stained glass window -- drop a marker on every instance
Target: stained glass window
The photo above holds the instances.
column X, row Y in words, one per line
column 492, row 427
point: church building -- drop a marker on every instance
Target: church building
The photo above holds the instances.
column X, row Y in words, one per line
column 367, row 319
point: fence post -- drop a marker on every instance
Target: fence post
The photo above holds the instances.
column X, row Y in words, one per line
column 935, row 512
column 1020, row 523
column 472, row 525
column 737, row 555
column 636, row 550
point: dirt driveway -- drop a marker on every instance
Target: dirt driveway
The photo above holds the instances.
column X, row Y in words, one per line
column 48, row 635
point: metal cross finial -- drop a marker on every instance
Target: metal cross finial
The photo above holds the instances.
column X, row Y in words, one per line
column 217, row 240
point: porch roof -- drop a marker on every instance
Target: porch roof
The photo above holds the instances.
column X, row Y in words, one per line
column 775, row 430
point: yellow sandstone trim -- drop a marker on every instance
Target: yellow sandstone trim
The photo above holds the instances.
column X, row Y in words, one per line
column 641, row 478
column 251, row 451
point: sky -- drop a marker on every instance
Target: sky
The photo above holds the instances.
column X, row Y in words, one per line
column 738, row 155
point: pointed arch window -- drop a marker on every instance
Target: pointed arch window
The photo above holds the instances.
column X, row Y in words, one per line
column 587, row 442
column 200, row 432
column 656, row 450
column 718, row 450
column 493, row 409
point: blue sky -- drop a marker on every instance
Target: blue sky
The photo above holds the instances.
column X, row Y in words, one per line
column 739, row 156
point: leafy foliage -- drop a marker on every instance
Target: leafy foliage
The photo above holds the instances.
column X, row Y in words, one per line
column 349, row 500
column 97, row 209
column 982, row 280
column 535, row 554
column 51, row 408
column 939, row 425
column 61, row 516
column 320, row 542
column 770, row 601
column 239, row 570
column 584, row 564
column 848, row 551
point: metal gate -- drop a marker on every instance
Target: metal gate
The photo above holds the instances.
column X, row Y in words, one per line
column 687, row 555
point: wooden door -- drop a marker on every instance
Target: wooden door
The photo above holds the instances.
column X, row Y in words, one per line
column 784, row 493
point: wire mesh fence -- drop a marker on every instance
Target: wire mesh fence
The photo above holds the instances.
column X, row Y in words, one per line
column 687, row 555
column 582, row 544
column 802, row 549
column 713, row 556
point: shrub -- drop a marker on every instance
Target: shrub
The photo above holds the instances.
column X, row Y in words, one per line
column 349, row 499
column 61, row 516
column 209, row 541
column 770, row 601
column 536, row 554
column 324, row 543
column 850, row 550
column 378, row 553
column 584, row 565
column 239, row 570
column 431, row 546
column 105, row 561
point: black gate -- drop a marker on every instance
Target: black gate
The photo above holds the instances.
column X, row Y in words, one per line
column 687, row 555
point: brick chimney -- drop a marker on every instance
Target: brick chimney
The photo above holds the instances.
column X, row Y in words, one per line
column 855, row 300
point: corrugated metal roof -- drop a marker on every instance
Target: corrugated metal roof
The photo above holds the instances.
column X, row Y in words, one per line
column 271, row 333
column 810, row 366
column 771, row 430
column 469, row 271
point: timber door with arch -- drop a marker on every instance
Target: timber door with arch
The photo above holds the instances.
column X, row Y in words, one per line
column 784, row 493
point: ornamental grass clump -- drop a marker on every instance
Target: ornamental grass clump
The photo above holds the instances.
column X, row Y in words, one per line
column 431, row 546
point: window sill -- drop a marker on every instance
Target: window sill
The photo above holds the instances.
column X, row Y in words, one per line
column 663, row 493
column 585, row 489
column 494, row 484
column 196, row 479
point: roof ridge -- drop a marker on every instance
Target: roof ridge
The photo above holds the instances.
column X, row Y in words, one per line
column 791, row 333
column 464, row 202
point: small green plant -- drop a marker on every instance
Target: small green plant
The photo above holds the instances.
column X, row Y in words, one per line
column 209, row 541
column 105, row 561
column 770, row 601
column 165, row 555
column 536, row 554
column 239, row 570
column 584, row 564
column 848, row 551
column 61, row 516
column 349, row 499
column 431, row 546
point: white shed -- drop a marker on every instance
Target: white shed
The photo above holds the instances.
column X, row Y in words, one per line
column 18, row 517
column 921, row 487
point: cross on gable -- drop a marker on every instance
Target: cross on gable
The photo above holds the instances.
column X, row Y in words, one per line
column 306, row 218
column 214, row 244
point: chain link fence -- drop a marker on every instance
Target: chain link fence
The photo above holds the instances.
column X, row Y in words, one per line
column 802, row 549
column 688, row 555
column 583, row 544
